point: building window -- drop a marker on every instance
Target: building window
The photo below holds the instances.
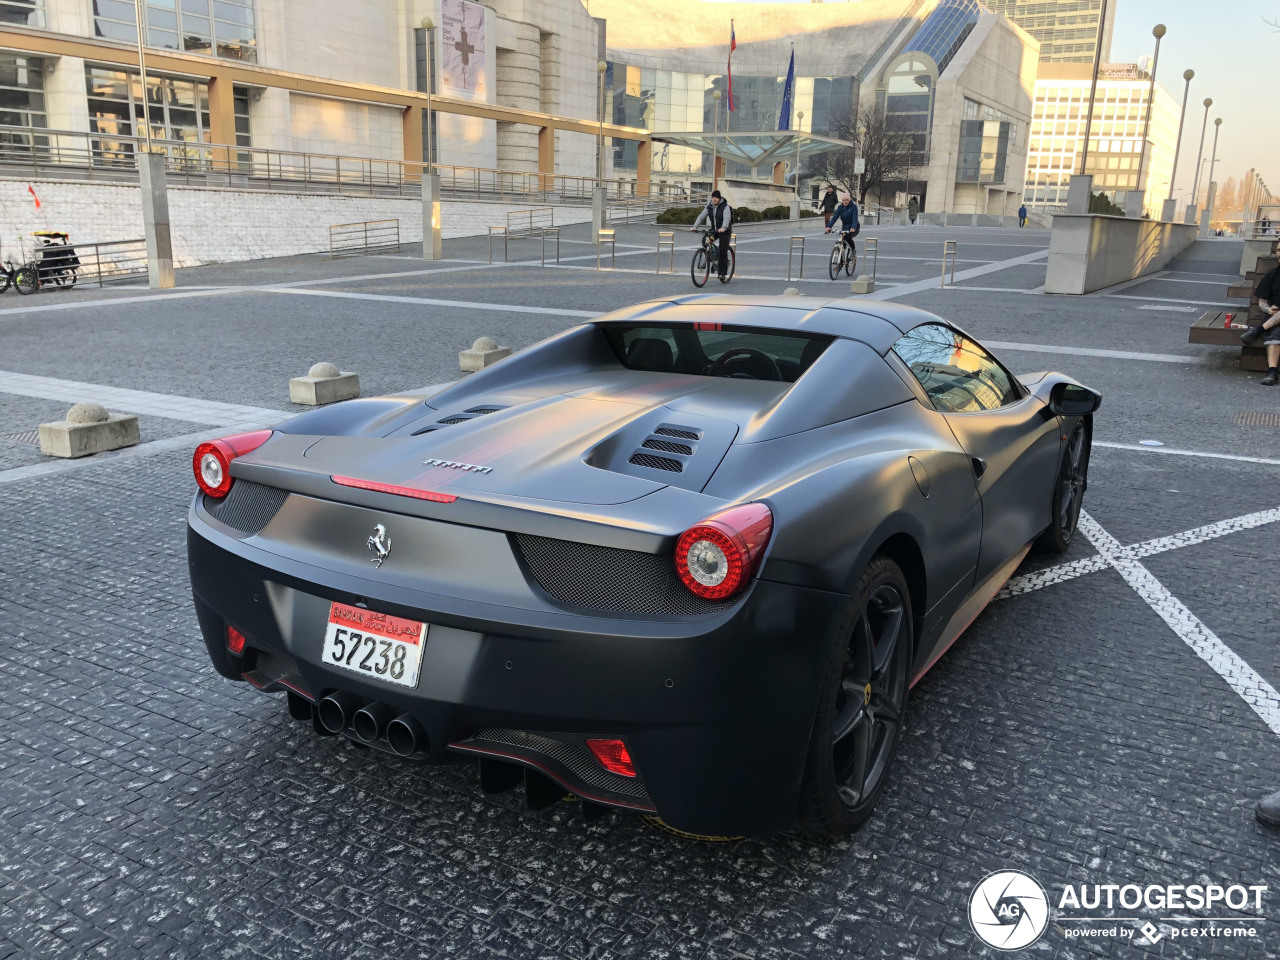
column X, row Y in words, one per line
column 224, row 28
column 177, row 108
column 21, row 105
column 24, row 13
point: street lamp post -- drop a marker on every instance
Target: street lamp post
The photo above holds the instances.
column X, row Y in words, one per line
column 598, row 192
column 140, row 7
column 715, row 140
column 1170, row 205
column 428, row 25
column 1093, row 90
column 1195, row 184
column 799, row 121
column 1158, row 31
column 1210, row 199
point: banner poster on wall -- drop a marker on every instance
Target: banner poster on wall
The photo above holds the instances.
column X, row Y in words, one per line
column 462, row 59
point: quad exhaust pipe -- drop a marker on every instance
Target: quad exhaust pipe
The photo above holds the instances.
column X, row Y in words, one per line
column 340, row 711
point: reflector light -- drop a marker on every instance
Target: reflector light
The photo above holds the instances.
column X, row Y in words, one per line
column 235, row 641
column 717, row 557
column 394, row 489
column 613, row 756
column 212, row 460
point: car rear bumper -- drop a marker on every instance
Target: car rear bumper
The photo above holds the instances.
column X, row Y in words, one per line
column 716, row 710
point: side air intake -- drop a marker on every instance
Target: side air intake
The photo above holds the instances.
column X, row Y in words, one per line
column 674, row 456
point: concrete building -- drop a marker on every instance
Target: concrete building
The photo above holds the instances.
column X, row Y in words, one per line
column 954, row 77
column 515, row 81
column 1067, row 30
column 1116, row 139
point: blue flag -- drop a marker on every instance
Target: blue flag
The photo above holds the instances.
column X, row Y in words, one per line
column 788, row 90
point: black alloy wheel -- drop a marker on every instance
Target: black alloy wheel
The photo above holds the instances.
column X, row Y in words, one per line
column 26, row 279
column 1068, row 490
column 700, row 269
column 861, row 707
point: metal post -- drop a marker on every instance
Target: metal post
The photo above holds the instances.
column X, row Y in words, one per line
column 871, row 248
column 1157, row 31
column 1093, row 88
column 141, row 17
column 668, row 240
column 1213, row 158
column 948, row 250
column 1186, row 75
column 715, row 139
column 1195, row 185
column 797, row 243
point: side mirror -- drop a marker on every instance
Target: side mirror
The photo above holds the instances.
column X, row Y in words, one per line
column 1073, row 400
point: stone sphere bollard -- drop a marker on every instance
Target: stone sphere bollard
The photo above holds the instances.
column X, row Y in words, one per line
column 483, row 353
column 791, row 292
column 89, row 412
column 324, row 383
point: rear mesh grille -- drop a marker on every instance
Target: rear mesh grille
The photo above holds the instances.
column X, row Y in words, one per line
column 454, row 419
column 656, row 463
column 681, row 432
column 606, row 578
column 653, row 443
column 248, row 507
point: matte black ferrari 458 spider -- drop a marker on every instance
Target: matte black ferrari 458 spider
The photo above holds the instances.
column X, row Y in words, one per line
column 687, row 558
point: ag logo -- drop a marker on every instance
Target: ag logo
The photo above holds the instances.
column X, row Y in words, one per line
column 1008, row 910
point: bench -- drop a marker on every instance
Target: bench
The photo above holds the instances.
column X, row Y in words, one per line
column 525, row 224
column 1212, row 326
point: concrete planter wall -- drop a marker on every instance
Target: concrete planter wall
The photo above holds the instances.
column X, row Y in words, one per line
column 1090, row 251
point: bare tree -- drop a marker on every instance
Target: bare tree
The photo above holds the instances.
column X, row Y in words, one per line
column 877, row 139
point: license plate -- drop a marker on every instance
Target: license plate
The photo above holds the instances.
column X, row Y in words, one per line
column 375, row 645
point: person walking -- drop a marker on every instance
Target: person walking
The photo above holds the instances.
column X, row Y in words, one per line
column 1022, row 216
column 828, row 204
column 913, row 209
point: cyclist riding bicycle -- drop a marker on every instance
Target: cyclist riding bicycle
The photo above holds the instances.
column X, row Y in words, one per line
column 719, row 215
column 846, row 215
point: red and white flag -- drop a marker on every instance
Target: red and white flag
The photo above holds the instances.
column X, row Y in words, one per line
column 31, row 190
column 733, row 45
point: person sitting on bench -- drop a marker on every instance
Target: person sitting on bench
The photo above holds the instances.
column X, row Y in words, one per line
column 1268, row 294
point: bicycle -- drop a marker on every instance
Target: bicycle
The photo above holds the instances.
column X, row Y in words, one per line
column 844, row 256
column 704, row 256
column 24, row 277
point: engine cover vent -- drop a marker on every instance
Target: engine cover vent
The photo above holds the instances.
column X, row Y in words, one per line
column 656, row 463
column 684, row 433
column 470, row 414
column 679, row 451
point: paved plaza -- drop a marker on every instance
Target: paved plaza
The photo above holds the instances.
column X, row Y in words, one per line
column 1111, row 719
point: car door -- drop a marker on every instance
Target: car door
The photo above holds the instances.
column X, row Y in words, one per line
column 1012, row 442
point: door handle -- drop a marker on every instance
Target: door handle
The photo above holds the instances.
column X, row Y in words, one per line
column 979, row 466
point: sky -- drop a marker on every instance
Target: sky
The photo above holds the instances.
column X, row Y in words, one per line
column 1214, row 39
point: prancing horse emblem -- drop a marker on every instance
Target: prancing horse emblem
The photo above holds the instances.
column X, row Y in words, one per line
column 380, row 544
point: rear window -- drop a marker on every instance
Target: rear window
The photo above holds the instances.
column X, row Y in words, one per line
column 716, row 350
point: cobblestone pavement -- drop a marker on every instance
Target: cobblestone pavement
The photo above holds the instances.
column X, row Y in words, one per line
column 1084, row 730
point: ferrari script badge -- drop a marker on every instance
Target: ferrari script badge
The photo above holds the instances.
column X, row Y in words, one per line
column 380, row 544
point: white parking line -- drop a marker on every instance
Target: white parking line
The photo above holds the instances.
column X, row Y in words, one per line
column 1176, row 452
column 426, row 301
column 1091, row 352
column 1148, row 548
column 932, row 283
column 118, row 399
column 1242, row 678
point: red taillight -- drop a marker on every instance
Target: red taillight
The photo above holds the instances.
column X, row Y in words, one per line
column 397, row 490
column 717, row 557
column 235, row 641
column 613, row 756
column 212, row 460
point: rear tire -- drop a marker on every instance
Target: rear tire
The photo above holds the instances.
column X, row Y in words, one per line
column 700, row 269
column 861, row 704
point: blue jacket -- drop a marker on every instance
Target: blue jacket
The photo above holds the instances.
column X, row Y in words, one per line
column 847, row 216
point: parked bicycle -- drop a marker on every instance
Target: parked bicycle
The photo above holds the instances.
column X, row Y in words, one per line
column 56, row 259
column 708, row 254
column 844, row 256
column 23, row 277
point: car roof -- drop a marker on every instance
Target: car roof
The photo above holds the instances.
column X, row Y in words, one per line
column 877, row 323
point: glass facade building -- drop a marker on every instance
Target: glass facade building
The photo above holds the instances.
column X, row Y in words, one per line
column 673, row 101
column 223, row 28
column 945, row 30
column 178, row 109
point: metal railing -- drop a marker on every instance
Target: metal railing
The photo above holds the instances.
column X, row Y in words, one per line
column 1262, row 223
column 28, row 151
column 363, row 238
column 66, row 264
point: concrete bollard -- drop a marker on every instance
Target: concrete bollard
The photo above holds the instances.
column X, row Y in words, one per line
column 324, row 383
column 483, row 353
column 864, row 284
column 791, row 292
column 88, row 428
